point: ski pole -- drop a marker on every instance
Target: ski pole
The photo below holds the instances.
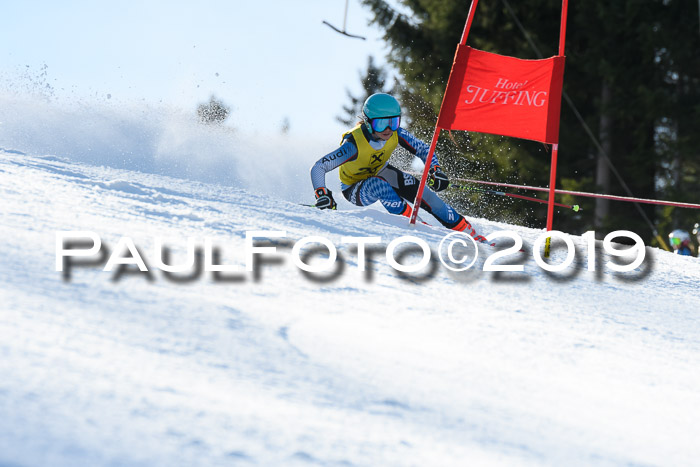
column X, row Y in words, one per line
column 574, row 207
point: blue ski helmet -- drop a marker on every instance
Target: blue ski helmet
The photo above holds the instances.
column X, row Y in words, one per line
column 381, row 105
column 679, row 238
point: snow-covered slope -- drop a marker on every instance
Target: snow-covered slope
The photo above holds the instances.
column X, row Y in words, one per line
column 359, row 368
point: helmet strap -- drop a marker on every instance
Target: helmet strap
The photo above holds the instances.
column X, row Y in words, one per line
column 367, row 123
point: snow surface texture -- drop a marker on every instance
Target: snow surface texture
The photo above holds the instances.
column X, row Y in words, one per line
column 276, row 368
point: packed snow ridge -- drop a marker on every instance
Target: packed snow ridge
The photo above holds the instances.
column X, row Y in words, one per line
column 279, row 366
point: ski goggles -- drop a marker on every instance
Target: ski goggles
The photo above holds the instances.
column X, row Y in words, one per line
column 381, row 124
column 675, row 241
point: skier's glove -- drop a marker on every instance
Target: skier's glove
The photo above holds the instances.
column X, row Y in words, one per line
column 324, row 199
column 438, row 181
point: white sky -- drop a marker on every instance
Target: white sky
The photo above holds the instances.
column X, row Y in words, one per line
column 268, row 60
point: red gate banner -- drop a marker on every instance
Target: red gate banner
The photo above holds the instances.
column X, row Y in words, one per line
column 490, row 93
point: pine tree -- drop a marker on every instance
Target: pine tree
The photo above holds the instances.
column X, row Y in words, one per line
column 631, row 71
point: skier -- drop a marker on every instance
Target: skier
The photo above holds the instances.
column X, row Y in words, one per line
column 680, row 242
column 367, row 177
column 696, row 232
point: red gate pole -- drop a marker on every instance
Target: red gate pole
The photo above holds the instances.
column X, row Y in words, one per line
column 552, row 187
column 468, row 24
column 436, row 132
column 562, row 28
column 555, row 147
